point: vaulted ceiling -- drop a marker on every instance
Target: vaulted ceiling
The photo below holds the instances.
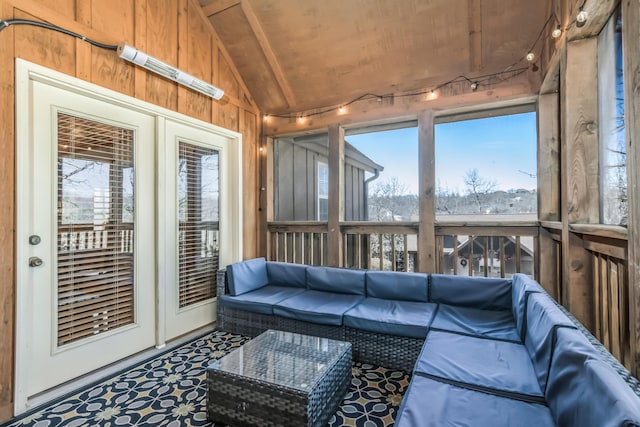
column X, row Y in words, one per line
column 296, row 55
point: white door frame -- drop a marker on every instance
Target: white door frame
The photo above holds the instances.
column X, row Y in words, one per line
column 26, row 73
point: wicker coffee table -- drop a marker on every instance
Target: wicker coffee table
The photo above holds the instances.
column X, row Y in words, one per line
column 279, row 379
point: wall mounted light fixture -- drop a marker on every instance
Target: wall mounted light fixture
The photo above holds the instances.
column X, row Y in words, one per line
column 132, row 54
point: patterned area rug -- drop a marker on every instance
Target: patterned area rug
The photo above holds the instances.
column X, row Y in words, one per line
column 171, row 391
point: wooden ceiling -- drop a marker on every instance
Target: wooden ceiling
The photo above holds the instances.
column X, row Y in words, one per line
column 297, row 55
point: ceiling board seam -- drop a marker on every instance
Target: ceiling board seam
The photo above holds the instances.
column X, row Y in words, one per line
column 219, row 6
column 475, row 34
column 268, row 51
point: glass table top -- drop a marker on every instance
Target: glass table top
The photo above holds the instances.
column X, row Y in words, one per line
column 283, row 358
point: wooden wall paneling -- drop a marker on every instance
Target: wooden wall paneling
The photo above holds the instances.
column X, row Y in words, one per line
column 336, row 195
column 547, row 264
column 283, row 182
column 631, row 55
column 83, row 49
column 228, row 113
column 215, row 78
column 7, row 214
column 580, row 190
column 114, row 17
column 140, row 42
column 548, row 157
column 426, row 197
column 183, row 40
column 198, row 64
column 250, row 184
column 44, row 47
column 161, row 42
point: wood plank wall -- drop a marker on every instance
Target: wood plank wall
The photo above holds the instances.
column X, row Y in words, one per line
column 175, row 31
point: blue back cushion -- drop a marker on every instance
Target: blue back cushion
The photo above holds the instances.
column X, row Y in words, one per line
column 287, row 274
column 340, row 280
column 583, row 390
column 247, row 276
column 543, row 316
column 477, row 292
column 521, row 287
column 397, row 286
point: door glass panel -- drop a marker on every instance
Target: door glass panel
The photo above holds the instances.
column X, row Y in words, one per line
column 95, row 291
column 198, row 198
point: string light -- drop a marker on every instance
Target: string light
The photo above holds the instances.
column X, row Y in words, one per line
column 531, row 56
column 557, row 32
column 582, row 16
column 433, row 94
column 300, row 119
column 265, row 117
column 474, row 86
column 342, row 109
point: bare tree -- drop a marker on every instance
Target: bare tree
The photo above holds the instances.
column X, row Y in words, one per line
column 478, row 188
column 391, row 199
column 447, row 201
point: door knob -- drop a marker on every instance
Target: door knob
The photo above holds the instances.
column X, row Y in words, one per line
column 34, row 261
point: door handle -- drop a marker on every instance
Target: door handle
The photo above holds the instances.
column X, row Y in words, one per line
column 34, row 261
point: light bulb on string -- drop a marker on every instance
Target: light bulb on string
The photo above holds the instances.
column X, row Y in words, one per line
column 557, row 32
column 265, row 117
column 531, row 56
column 300, row 119
column 582, row 17
column 342, row 109
column 474, row 86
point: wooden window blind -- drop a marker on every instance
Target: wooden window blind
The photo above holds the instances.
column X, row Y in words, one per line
column 95, row 291
column 198, row 193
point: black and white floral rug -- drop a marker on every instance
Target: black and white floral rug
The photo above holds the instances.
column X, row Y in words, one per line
column 171, row 390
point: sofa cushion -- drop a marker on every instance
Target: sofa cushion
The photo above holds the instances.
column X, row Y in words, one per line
column 247, row 276
column 261, row 300
column 497, row 324
column 482, row 363
column 397, row 285
column 287, row 274
column 477, row 292
column 325, row 308
column 584, row 390
column 341, row 280
column 522, row 286
column 432, row 403
column 403, row 318
column 543, row 316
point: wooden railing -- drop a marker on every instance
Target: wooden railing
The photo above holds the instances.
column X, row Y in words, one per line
column 489, row 249
column 607, row 246
column 298, row 242
column 380, row 246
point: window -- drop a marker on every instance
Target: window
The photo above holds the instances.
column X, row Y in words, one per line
column 323, row 191
column 487, row 166
column 613, row 168
column 198, row 195
column 95, row 228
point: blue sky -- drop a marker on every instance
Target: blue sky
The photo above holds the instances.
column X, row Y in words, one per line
column 503, row 149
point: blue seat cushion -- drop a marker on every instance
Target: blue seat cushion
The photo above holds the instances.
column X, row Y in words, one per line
column 246, row 276
column 287, row 274
column 325, row 308
column 498, row 324
column 331, row 279
column 522, row 286
column 261, row 300
column 543, row 316
column 403, row 318
column 477, row 292
column 583, row 390
column 436, row 404
column 482, row 363
column 397, row 285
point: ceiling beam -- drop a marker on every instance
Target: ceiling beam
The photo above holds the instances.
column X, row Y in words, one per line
column 475, row 34
column 268, row 52
column 599, row 12
column 218, row 6
column 405, row 108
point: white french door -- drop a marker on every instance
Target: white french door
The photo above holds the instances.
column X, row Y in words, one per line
column 192, row 223
column 125, row 212
column 86, row 265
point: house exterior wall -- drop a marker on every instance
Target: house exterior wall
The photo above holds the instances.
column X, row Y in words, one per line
column 174, row 31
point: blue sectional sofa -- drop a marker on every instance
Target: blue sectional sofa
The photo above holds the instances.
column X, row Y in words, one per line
column 482, row 351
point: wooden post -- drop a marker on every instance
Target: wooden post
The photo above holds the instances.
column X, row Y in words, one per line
column 548, row 188
column 427, row 194
column 336, row 195
column 580, row 189
column 631, row 55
